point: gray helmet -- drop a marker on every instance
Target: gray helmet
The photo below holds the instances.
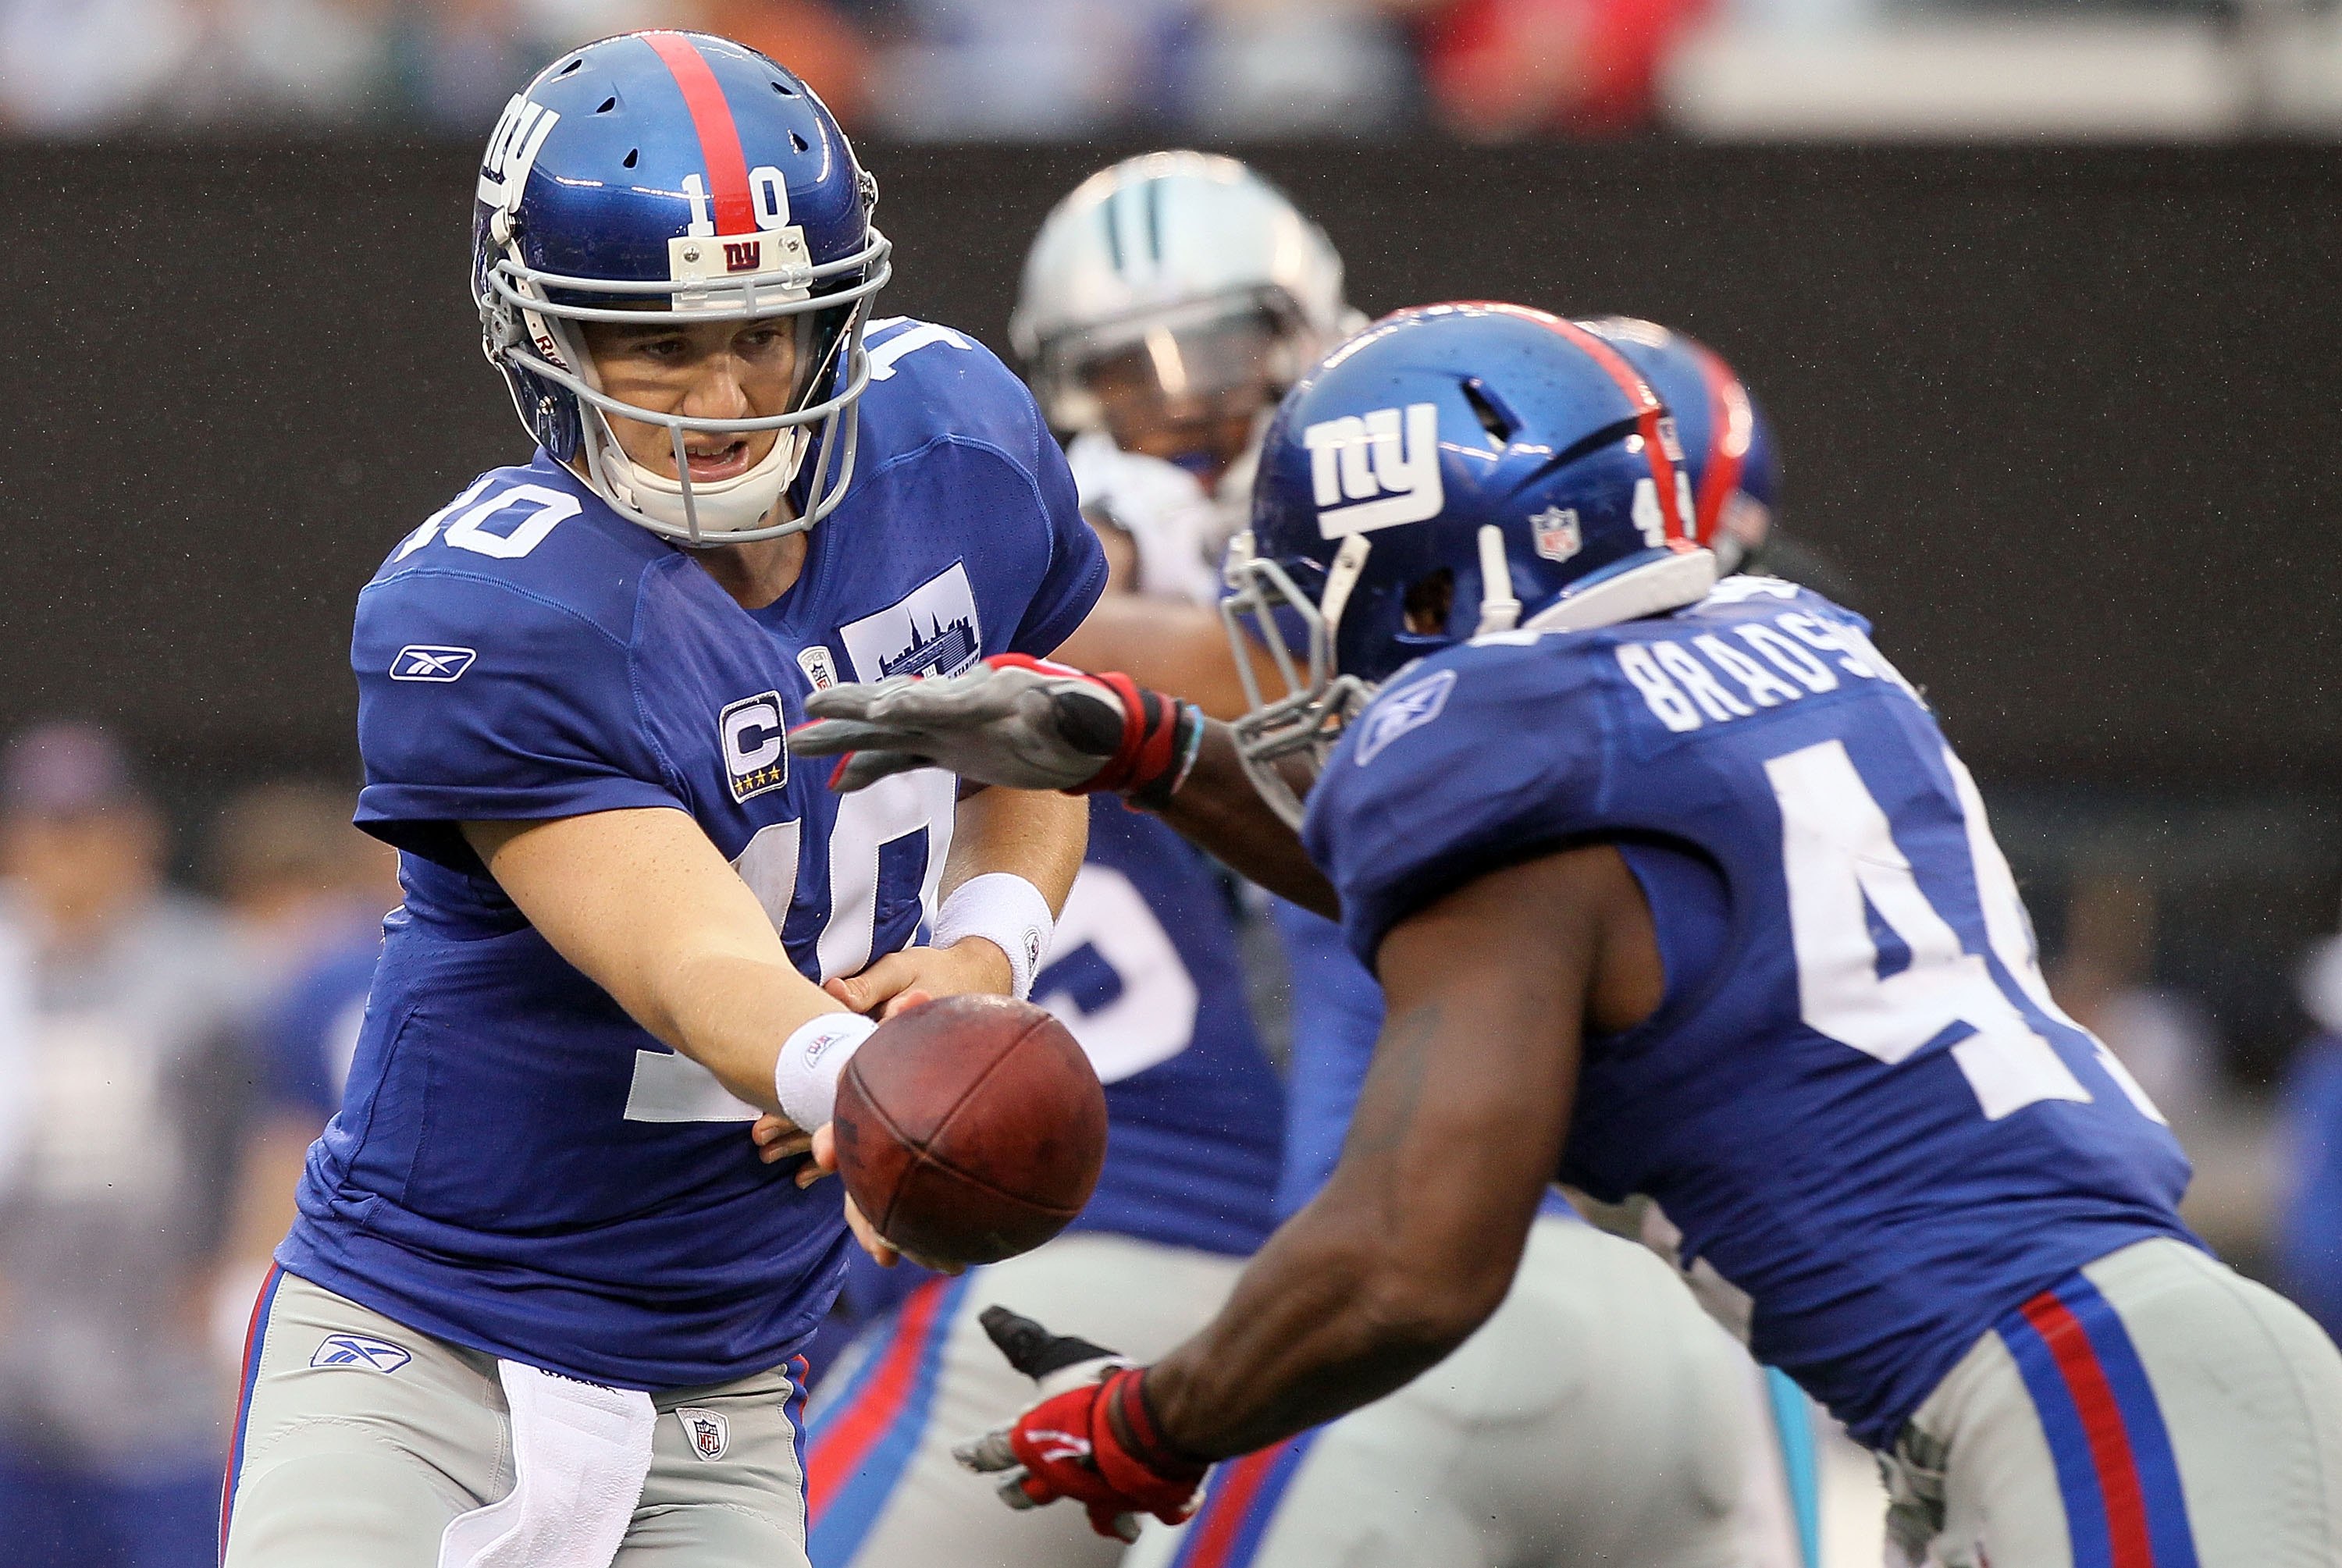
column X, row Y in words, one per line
column 1165, row 248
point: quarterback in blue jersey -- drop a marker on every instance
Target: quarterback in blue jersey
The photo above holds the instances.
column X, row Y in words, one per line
column 1672, row 887
column 543, row 1297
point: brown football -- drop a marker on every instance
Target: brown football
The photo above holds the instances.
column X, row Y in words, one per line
column 970, row 1129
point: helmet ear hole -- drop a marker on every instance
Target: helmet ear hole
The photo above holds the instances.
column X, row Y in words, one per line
column 1429, row 602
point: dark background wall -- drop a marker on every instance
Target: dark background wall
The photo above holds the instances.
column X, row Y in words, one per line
column 2068, row 418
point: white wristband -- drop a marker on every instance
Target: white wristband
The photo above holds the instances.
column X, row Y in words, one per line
column 806, row 1077
column 1006, row 911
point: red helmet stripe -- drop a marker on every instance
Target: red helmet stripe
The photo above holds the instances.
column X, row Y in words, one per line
column 1649, row 410
column 1730, row 426
column 719, row 139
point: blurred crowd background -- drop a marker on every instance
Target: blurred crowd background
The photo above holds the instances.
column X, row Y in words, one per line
column 1482, row 69
column 188, row 922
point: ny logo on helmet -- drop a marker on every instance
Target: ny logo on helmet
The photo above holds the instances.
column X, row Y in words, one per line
column 1367, row 478
column 513, row 147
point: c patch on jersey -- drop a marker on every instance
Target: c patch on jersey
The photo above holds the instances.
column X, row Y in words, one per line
column 362, row 1352
column 1407, row 708
column 933, row 630
column 430, row 662
column 756, row 757
column 709, row 1432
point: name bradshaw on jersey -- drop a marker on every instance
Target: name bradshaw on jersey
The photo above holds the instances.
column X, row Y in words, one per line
column 1858, row 1101
column 517, row 1167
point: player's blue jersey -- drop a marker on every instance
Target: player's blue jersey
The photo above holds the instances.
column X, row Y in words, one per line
column 1145, row 970
column 311, row 1030
column 518, row 1166
column 1857, row 1100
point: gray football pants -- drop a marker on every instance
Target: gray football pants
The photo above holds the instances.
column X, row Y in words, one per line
column 1599, row 1417
column 347, row 1454
column 2155, row 1410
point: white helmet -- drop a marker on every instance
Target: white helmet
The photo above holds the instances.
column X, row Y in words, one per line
column 1162, row 257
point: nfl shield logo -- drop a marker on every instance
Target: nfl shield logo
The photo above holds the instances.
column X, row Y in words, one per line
column 1557, row 533
column 709, row 1432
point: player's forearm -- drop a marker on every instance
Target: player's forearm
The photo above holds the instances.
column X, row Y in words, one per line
column 730, row 1013
column 1219, row 811
column 1037, row 834
column 1459, row 1129
column 1352, row 1298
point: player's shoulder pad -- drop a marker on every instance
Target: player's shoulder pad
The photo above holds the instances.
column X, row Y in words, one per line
column 1456, row 701
column 1458, row 757
column 526, row 544
column 928, row 380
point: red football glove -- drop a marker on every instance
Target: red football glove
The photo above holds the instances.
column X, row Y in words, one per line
column 1094, row 1442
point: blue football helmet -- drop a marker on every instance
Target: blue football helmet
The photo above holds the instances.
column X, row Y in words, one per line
column 678, row 177
column 1453, row 472
column 1728, row 441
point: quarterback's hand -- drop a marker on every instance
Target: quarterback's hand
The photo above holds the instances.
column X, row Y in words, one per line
column 910, row 976
column 1017, row 722
column 1090, row 1438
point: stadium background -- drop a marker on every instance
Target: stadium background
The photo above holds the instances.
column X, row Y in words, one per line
column 2055, row 367
column 2065, row 417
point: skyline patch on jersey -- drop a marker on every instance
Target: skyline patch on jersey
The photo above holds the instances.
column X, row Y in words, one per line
column 431, row 661
column 756, row 757
column 931, row 631
column 361, row 1350
column 1408, row 708
column 1375, row 471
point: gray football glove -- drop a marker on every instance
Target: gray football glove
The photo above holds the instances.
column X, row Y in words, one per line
column 1012, row 721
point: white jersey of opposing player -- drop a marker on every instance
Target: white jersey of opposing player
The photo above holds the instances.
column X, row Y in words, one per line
column 1175, row 526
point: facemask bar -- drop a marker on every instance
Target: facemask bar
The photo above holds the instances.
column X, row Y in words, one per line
column 1315, row 703
column 526, row 290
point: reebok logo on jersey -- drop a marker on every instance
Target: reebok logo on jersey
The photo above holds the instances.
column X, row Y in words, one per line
column 1408, row 708
column 426, row 661
column 755, row 758
column 1367, row 476
column 361, row 1350
column 709, row 1432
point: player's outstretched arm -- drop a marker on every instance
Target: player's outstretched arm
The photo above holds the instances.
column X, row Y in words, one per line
column 1032, row 724
column 1414, row 1242
column 644, row 904
column 1458, row 1130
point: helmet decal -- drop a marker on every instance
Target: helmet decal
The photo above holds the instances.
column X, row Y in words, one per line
column 1366, row 477
column 727, row 189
